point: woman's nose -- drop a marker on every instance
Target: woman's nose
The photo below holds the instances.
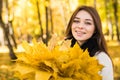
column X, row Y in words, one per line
column 81, row 26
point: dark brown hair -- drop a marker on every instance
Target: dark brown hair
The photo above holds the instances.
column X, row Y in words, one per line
column 98, row 35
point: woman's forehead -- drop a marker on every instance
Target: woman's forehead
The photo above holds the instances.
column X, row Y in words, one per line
column 83, row 15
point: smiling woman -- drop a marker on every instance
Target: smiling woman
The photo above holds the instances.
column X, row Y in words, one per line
column 85, row 28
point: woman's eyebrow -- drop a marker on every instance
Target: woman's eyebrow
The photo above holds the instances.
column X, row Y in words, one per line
column 85, row 19
column 88, row 19
column 76, row 18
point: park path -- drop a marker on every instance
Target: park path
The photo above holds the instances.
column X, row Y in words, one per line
column 4, row 56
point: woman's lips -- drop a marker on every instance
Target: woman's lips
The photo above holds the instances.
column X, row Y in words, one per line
column 79, row 32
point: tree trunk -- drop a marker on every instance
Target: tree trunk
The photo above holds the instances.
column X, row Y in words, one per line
column 108, row 19
column 51, row 20
column 47, row 32
column 94, row 3
column 5, row 28
column 115, row 4
column 39, row 18
column 11, row 33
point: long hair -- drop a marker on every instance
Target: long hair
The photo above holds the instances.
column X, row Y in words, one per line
column 98, row 35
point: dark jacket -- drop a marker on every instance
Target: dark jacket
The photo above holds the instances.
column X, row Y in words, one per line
column 91, row 45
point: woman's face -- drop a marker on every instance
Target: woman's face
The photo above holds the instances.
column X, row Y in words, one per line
column 82, row 26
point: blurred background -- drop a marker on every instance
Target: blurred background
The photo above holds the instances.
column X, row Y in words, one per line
column 26, row 19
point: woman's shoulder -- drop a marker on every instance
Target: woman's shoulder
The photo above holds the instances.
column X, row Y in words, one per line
column 103, row 58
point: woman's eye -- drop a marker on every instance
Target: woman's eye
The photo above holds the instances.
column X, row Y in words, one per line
column 88, row 23
column 76, row 21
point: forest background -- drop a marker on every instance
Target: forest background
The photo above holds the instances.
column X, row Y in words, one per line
column 26, row 19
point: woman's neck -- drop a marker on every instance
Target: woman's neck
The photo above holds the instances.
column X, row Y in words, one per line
column 81, row 42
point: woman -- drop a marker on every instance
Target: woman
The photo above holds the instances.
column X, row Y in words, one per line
column 85, row 28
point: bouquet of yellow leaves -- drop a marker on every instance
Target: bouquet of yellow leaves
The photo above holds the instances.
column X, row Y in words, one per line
column 56, row 62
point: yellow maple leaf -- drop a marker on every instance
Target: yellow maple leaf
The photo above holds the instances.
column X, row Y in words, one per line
column 57, row 62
